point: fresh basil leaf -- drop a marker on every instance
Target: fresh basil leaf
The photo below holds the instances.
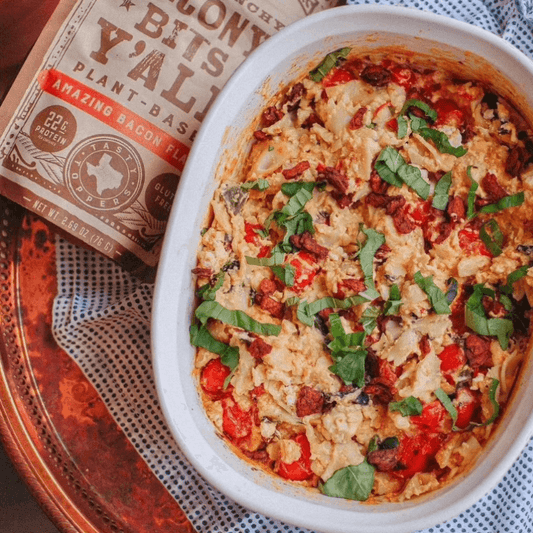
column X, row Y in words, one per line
column 417, row 123
column 286, row 274
column 442, row 142
column 470, row 211
column 202, row 338
column 265, row 232
column 441, row 197
column 259, row 185
column 513, row 200
column 393, row 304
column 351, row 482
column 330, row 61
column 413, row 102
column 402, row 127
column 475, row 318
column 342, row 340
column 513, row 277
column 386, row 174
column 448, row 405
column 297, row 202
column 373, row 444
column 294, row 225
column 374, row 240
column 277, row 258
column 334, row 303
column 239, row 319
column 293, row 300
column 208, row 291
column 350, row 366
column 391, row 158
column 493, row 240
column 436, row 297
column 412, row 177
column 369, row 319
column 410, row 406
column 303, row 314
column 292, row 188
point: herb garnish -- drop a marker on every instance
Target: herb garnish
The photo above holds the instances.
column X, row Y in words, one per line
column 410, row 406
column 475, row 317
column 436, row 297
column 514, row 200
column 448, row 405
column 393, row 304
column 374, row 240
column 208, row 291
column 259, row 185
column 493, row 238
column 413, row 102
column 239, row 319
column 393, row 169
column 441, row 197
column 330, row 61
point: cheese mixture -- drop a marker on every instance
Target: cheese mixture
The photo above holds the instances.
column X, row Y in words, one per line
column 364, row 288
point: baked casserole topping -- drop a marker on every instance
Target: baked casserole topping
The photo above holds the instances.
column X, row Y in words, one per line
column 363, row 283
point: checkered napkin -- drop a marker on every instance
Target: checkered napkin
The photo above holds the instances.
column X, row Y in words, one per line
column 102, row 319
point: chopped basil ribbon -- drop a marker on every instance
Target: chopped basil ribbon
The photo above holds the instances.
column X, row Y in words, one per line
column 277, row 258
column 202, row 338
column 402, row 127
column 514, row 200
column 393, row 169
column 259, row 185
column 303, row 314
column 286, row 274
column 297, row 201
column 410, row 406
column 369, row 319
column 441, row 197
column 307, row 311
column 413, row 102
column 208, row 291
column 513, row 277
column 353, row 482
column 442, row 142
column 373, row 242
column 393, row 304
column 417, row 123
column 342, row 340
column 330, row 61
column 475, row 318
column 290, row 189
column 436, row 297
column 239, row 319
column 470, row 211
column 448, row 405
column 350, row 365
column 493, row 240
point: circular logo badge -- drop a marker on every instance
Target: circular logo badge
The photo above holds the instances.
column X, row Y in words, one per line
column 104, row 173
column 53, row 129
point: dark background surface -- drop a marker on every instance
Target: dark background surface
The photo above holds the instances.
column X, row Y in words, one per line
column 19, row 512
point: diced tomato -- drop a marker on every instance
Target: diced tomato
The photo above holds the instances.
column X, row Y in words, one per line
column 448, row 113
column 416, row 453
column 301, row 469
column 471, row 243
column 264, row 251
column 237, row 424
column 434, row 417
column 403, row 76
column 306, row 270
column 213, row 377
column 419, row 213
column 392, row 124
column 250, row 235
column 452, row 358
column 337, row 76
column 467, row 402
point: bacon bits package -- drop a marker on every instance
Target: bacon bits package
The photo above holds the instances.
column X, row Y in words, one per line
column 98, row 124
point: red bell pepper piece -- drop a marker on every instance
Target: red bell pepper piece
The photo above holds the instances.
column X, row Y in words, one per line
column 301, row 469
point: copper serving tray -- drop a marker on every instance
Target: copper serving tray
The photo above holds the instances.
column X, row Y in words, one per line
column 75, row 459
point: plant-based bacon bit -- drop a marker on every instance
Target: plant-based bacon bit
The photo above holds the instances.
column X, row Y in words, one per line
column 364, row 288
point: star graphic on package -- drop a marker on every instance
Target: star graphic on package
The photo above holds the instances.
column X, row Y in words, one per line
column 127, row 4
